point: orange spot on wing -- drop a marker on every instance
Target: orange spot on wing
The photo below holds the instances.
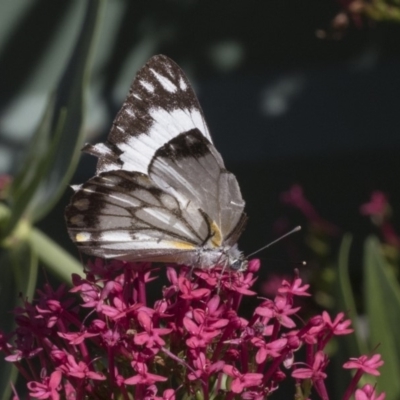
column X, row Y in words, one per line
column 182, row 245
column 216, row 238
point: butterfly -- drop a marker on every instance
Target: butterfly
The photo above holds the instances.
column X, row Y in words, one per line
column 161, row 192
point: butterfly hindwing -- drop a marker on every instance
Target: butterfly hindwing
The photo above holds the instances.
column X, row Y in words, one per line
column 121, row 212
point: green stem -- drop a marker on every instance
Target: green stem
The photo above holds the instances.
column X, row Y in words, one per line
column 61, row 263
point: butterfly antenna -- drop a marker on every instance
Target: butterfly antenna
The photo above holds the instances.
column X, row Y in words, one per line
column 296, row 229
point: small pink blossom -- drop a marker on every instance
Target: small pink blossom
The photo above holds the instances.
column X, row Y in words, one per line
column 367, row 392
column 119, row 309
column 365, row 364
column 239, row 283
column 254, row 265
column 242, row 381
column 199, row 337
column 169, row 394
column 143, row 377
column 271, row 285
column 75, row 338
column 338, row 326
column 280, row 309
column 151, row 336
column 316, row 371
column 203, row 368
column 188, row 290
column 90, row 294
column 49, row 388
column 295, row 288
column 377, row 206
column 296, row 198
column 271, row 349
column 79, row 369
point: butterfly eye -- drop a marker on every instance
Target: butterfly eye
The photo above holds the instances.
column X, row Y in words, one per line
column 237, row 265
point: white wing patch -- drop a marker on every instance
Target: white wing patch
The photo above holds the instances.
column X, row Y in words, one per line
column 165, row 82
column 148, row 86
column 182, row 84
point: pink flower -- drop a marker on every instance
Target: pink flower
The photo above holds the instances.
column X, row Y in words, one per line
column 188, row 290
column 47, row 389
column 200, row 337
column 204, row 368
column 151, row 336
column 52, row 310
column 369, row 366
column 90, row 294
column 312, row 332
column 239, row 283
column 367, row 392
column 338, row 326
column 295, row 197
column 315, row 372
column 143, row 377
column 119, row 309
column 169, row 394
column 75, row 338
column 294, row 288
column 253, row 265
column 151, row 394
column 279, row 309
column 271, row 349
column 255, row 394
column 26, row 340
column 271, row 286
column 242, row 381
column 377, row 206
column 80, row 369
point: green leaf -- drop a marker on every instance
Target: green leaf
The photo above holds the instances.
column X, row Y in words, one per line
column 38, row 160
column 17, row 278
column 55, row 149
column 60, row 262
column 349, row 345
column 345, row 300
column 382, row 300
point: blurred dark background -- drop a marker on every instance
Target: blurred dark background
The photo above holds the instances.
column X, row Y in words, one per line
column 294, row 91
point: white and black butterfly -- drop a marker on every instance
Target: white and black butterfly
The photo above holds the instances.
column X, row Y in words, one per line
column 161, row 191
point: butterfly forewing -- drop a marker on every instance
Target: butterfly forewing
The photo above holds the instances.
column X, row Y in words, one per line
column 161, row 192
column 160, row 105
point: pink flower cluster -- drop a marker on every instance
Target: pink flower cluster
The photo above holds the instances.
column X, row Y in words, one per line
column 190, row 343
